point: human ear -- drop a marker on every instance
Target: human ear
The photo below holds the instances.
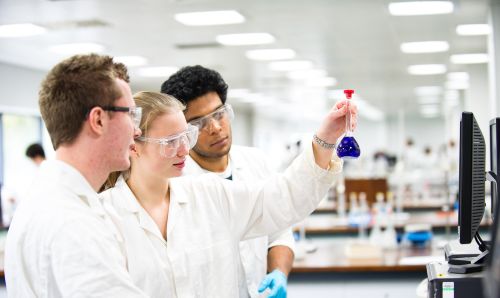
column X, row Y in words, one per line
column 97, row 120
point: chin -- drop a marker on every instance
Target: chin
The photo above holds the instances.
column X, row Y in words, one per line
column 124, row 165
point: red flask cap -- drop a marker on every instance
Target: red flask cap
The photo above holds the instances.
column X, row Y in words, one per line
column 348, row 93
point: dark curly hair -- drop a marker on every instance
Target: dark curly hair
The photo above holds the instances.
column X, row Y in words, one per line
column 191, row 82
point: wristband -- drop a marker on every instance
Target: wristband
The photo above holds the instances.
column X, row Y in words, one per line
column 323, row 143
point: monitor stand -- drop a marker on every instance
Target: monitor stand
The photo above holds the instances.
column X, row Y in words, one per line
column 464, row 258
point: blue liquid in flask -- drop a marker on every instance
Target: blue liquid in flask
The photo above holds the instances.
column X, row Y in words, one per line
column 348, row 148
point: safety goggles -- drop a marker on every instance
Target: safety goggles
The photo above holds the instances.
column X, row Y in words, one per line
column 222, row 113
column 170, row 145
column 134, row 112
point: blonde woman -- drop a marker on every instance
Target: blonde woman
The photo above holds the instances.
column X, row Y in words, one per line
column 181, row 234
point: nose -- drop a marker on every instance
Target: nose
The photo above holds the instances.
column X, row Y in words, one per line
column 137, row 132
column 183, row 149
column 213, row 125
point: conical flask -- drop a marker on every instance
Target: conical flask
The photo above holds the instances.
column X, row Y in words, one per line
column 348, row 148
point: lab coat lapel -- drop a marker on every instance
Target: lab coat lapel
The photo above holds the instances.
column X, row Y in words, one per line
column 177, row 208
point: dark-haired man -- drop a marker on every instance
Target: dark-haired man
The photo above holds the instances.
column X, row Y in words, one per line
column 36, row 153
column 204, row 92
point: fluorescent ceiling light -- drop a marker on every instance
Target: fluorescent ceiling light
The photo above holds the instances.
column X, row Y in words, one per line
column 290, row 65
column 469, row 58
column 158, row 71
column 321, row 82
column 242, row 39
column 457, row 76
column 457, row 85
column 77, row 48
column 270, row 54
column 428, row 90
column 428, row 100
column 420, row 8
column 131, row 61
column 473, row 29
column 424, row 47
column 21, row 30
column 209, row 18
column 306, row 74
column 426, row 69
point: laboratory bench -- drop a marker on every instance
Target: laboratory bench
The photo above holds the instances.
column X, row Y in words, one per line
column 333, row 224
column 355, row 256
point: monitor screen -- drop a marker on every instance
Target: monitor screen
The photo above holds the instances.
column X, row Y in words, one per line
column 471, row 178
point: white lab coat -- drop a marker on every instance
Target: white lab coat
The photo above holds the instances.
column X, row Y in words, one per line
column 249, row 164
column 64, row 243
column 206, row 224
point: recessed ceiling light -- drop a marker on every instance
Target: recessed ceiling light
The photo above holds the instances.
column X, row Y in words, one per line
column 427, row 69
column 77, row 48
column 131, row 61
column 473, row 29
column 428, row 90
column 457, row 76
column 21, row 30
column 158, row 71
column 290, row 65
column 306, row 74
column 242, row 39
column 469, row 58
column 420, row 8
column 209, row 18
column 270, row 54
column 425, row 47
column 321, row 82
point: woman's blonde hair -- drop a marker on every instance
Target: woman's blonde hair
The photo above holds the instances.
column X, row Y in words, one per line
column 153, row 104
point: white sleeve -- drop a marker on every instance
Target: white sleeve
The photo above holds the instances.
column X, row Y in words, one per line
column 86, row 264
column 278, row 202
column 284, row 238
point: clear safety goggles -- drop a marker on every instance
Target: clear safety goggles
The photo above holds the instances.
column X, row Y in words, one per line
column 170, row 145
column 222, row 113
column 135, row 113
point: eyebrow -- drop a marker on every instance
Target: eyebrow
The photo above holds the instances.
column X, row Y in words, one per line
column 199, row 117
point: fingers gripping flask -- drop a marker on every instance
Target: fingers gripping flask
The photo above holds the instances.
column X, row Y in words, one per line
column 348, row 148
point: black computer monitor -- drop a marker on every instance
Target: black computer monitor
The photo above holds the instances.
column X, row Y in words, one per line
column 471, row 193
column 471, row 178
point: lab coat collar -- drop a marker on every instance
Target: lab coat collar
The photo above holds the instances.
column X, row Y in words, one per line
column 130, row 204
column 66, row 175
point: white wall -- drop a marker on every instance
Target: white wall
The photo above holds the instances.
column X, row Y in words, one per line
column 19, row 88
column 424, row 132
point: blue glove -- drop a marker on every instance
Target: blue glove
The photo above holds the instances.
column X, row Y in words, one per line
column 276, row 282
